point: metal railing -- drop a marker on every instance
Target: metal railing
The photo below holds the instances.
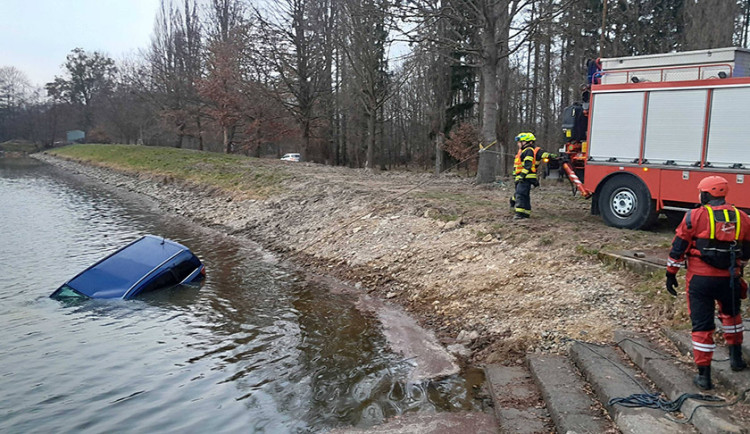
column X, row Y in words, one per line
column 671, row 73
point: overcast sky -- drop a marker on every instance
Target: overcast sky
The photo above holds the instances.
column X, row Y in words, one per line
column 36, row 35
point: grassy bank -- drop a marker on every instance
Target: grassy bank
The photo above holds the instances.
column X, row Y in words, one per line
column 19, row 146
column 250, row 177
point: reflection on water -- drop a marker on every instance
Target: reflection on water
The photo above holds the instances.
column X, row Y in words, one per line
column 256, row 348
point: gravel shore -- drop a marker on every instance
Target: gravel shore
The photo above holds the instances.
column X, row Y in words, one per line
column 444, row 249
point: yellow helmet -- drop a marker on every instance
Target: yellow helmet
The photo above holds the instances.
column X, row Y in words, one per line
column 525, row 137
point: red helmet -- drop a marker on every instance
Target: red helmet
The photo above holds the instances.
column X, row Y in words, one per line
column 716, row 186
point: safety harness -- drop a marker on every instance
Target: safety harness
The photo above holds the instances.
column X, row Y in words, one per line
column 721, row 248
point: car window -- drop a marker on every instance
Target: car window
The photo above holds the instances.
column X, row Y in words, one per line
column 163, row 280
column 67, row 292
column 186, row 266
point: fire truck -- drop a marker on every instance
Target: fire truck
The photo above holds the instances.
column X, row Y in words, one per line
column 650, row 128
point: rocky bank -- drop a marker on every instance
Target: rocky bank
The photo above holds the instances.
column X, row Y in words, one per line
column 441, row 247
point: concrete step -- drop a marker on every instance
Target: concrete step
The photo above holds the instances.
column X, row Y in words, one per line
column 564, row 392
column 669, row 376
column 518, row 403
column 721, row 373
column 610, row 377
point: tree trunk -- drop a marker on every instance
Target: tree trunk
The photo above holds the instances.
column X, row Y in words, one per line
column 533, row 120
column 494, row 41
column 488, row 161
column 341, row 77
column 503, row 91
column 227, row 146
column 200, row 133
column 385, row 151
column 439, row 141
column 547, row 92
column 180, row 136
column 503, row 124
column 305, row 151
column 370, row 141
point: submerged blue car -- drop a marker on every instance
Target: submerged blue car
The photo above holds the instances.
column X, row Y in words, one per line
column 147, row 264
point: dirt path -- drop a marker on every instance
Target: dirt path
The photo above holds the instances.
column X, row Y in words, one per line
column 445, row 249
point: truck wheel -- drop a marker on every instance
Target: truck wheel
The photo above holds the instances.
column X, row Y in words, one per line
column 625, row 202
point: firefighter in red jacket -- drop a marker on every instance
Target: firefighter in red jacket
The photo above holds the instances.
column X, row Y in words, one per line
column 715, row 241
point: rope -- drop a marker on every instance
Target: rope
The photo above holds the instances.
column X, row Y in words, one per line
column 588, row 345
column 655, row 401
column 739, row 398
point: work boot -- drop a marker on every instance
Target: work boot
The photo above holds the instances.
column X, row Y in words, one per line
column 519, row 217
column 703, row 379
column 735, row 358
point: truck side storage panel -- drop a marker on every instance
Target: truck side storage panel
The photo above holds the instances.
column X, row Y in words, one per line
column 729, row 132
column 616, row 126
column 674, row 126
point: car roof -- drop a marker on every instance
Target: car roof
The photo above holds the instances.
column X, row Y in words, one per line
column 115, row 275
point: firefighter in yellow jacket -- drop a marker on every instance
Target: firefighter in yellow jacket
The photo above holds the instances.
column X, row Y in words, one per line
column 525, row 173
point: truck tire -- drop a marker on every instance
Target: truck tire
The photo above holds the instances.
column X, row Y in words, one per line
column 625, row 202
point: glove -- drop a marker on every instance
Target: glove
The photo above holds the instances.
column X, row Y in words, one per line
column 553, row 156
column 743, row 289
column 512, row 202
column 672, row 283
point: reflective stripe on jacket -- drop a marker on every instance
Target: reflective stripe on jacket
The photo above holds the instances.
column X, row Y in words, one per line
column 526, row 162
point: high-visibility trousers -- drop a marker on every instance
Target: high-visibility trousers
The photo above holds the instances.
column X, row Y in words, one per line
column 523, row 198
column 703, row 293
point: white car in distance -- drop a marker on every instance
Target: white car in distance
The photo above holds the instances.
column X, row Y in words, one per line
column 291, row 157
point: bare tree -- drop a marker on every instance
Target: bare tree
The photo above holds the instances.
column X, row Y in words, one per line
column 14, row 93
column 294, row 37
column 14, row 87
column 175, row 66
column 364, row 43
column 222, row 86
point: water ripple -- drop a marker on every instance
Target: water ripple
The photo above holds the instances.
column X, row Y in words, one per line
column 256, row 347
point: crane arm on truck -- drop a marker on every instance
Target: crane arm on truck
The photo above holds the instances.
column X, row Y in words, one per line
column 575, row 181
column 649, row 128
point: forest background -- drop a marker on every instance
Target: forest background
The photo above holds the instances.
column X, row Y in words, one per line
column 359, row 83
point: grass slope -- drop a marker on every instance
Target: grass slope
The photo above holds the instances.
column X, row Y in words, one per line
column 250, row 177
column 19, row 146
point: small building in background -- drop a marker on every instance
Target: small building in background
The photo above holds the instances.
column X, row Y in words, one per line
column 76, row 136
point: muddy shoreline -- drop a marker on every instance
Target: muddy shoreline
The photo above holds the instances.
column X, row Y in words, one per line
column 491, row 290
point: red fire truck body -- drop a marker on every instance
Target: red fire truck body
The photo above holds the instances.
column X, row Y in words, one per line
column 654, row 133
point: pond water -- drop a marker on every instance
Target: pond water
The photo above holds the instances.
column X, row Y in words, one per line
column 257, row 348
